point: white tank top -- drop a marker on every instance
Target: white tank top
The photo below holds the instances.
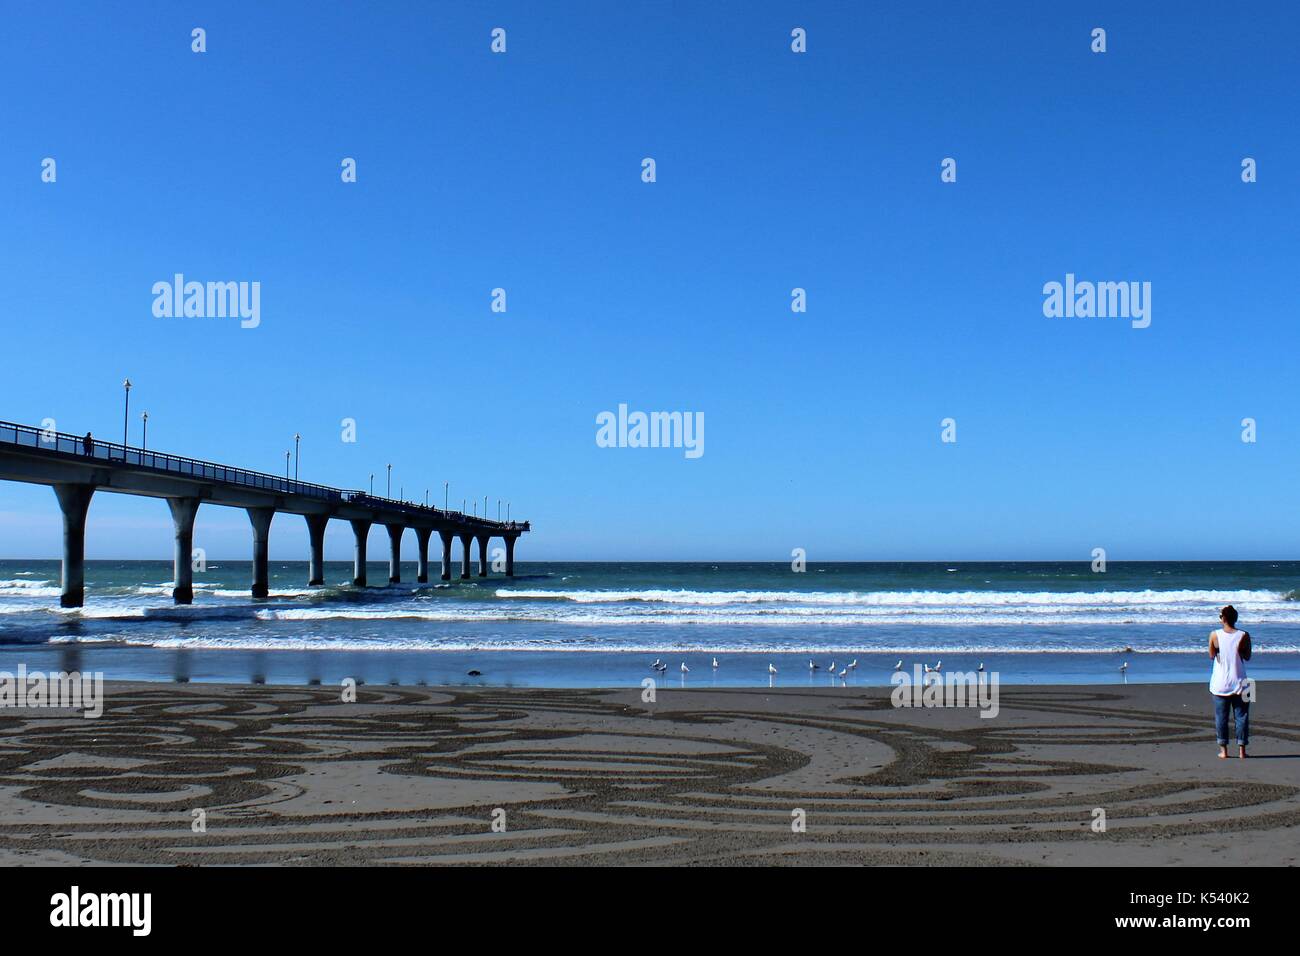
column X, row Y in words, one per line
column 1229, row 673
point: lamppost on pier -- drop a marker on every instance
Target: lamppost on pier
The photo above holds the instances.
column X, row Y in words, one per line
column 126, row 410
column 445, row 486
column 286, row 464
column 144, row 442
column 372, row 484
column 389, row 492
column 296, row 438
column 498, row 510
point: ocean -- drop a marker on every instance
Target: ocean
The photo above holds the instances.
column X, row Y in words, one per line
column 579, row 624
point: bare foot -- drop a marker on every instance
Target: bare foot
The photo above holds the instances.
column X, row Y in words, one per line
column 1241, row 752
column 1223, row 753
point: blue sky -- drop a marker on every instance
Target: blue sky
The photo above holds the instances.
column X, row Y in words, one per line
column 775, row 170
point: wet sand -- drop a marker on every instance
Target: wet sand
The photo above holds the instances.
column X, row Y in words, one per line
column 414, row 775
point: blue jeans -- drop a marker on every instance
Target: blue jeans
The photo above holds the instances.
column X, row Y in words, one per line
column 1240, row 710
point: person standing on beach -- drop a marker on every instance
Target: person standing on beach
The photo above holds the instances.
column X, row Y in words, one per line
column 1230, row 649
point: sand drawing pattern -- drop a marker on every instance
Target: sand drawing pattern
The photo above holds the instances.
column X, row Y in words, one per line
column 413, row 776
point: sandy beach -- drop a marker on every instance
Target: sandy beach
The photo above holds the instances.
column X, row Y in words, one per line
column 416, row 775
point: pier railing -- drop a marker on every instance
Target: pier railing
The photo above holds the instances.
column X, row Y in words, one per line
column 115, row 453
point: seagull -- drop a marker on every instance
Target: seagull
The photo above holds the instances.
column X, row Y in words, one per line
column 685, row 669
column 928, row 668
column 939, row 666
column 854, row 665
column 661, row 668
column 981, row 667
column 715, row 663
column 899, row 665
column 655, row 665
column 832, row 667
column 843, row 672
column 771, row 668
column 1124, row 666
column 814, row 666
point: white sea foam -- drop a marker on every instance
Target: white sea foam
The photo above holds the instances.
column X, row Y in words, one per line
column 217, row 591
column 31, row 588
column 901, row 598
column 774, row 617
column 29, row 592
column 103, row 612
column 666, row 608
column 15, row 609
column 594, row 645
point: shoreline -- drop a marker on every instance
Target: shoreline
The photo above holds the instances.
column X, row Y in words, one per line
column 571, row 668
column 415, row 775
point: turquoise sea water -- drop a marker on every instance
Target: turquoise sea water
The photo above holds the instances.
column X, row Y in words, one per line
column 601, row 624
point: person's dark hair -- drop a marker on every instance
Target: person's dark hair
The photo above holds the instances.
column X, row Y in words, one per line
column 1229, row 614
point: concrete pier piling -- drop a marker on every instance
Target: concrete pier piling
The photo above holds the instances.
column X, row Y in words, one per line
column 422, row 555
column 74, row 501
column 361, row 529
column 260, row 519
column 465, row 559
column 183, row 511
column 447, row 538
column 395, row 532
column 316, row 533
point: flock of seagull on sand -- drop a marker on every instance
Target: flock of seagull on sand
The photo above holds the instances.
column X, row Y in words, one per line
column 813, row 667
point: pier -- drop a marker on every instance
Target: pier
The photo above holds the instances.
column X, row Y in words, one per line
column 76, row 468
